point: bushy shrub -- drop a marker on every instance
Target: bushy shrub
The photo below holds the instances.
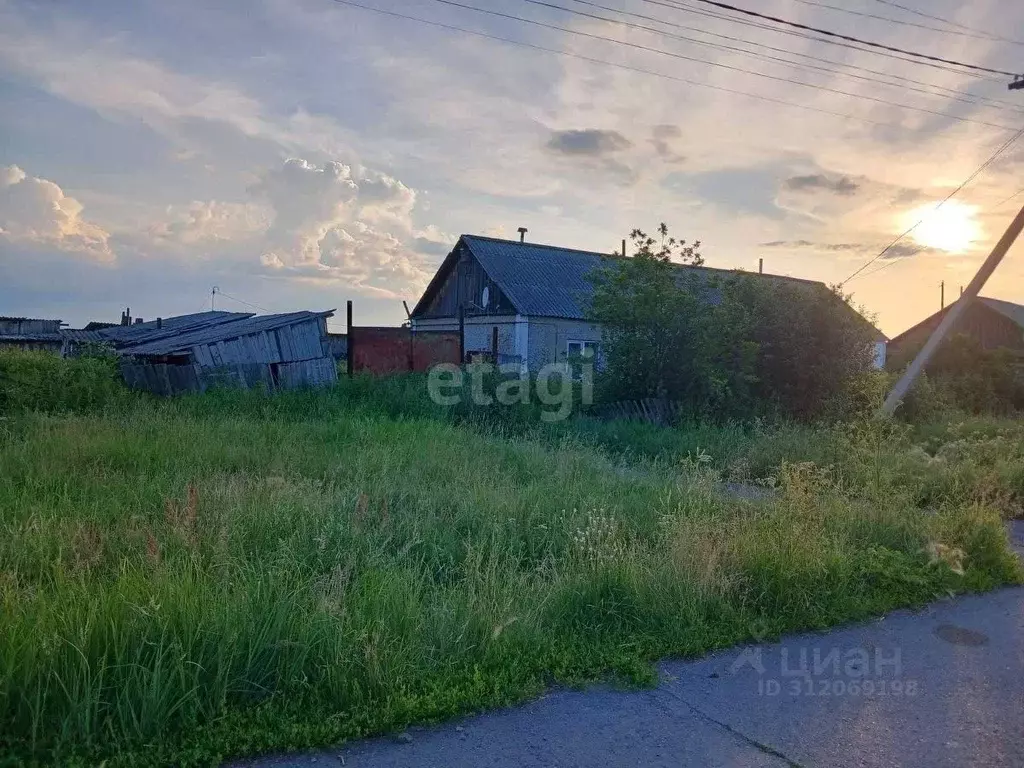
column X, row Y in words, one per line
column 40, row 381
column 725, row 347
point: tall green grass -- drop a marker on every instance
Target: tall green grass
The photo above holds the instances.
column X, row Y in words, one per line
column 41, row 381
column 222, row 575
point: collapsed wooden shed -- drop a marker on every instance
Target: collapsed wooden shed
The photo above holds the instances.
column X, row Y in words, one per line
column 274, row 351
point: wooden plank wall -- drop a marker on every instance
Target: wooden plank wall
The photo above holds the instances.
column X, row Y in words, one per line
column 297, row 350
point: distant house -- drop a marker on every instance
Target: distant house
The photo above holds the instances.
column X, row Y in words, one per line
column 30, row 334
column 993, row 323
column 534, row 297
column 190, row 353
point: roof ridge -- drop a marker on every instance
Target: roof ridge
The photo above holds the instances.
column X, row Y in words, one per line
column 539, row 245
column 734, row 270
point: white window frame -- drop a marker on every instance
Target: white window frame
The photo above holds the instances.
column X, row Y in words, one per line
column 582, row 346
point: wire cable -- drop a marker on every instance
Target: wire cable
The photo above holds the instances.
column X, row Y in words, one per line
column 1018, row 193
column 240, row 301
column 850, row 38
column 683, row 57
column 1006, row 145
column 890, row 20
column 678, row 5
column 911, row 85
column 922, row 14
column 625, row 67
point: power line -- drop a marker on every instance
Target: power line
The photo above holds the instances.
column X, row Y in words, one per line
column 890, row 20
column 850, row 38
column 990, row 35
column 1018, row 193
column 219, row 292
column 940, row 91
column 662, row 52
column 968, row 180
column 593, row 60
column 677, row 5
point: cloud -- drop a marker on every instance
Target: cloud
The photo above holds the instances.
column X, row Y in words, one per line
column 897, row 251
column 662, row 138
column 74, row 62
column 588, row 142
column 819, row 182
column 333, row 222
column 36, row 212
column 211, row 221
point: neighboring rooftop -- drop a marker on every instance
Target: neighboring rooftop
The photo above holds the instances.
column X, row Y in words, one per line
column 1008, row 309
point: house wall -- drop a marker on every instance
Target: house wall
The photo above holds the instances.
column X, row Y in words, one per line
column 464, row 287
column 881, row 351
column 549, row 338
column 28, row 326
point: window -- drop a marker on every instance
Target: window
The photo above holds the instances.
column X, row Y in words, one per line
column 589, row 349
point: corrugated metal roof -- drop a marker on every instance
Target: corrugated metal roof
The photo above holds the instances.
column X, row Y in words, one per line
column 550, row 281
column 75, row 334
column 248, row 324
column 55, row 337
column 139, row 333
column 1008, row 309
column 538, row 279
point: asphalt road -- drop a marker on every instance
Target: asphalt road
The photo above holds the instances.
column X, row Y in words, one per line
column 939, row 687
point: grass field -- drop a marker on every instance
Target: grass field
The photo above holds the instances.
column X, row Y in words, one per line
column 183, row 581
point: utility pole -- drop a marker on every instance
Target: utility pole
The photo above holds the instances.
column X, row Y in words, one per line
column 907, row 380
column 942, row 295
column 213, row 298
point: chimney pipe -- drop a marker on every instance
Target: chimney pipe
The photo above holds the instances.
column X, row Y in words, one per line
column 760, row 266
column 522, row 234
column 159, row 322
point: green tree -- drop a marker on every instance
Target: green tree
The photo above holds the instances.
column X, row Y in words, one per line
column 812, row 344
column 730, row 346
column 670, row 331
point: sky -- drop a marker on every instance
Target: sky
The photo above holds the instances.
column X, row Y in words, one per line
column 300, row 153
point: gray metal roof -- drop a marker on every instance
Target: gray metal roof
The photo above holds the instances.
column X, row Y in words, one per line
column 27, row 337
column 548, row 281
column 539, row 279
column 233, row 329
column 1008, row 309
column 139, row 333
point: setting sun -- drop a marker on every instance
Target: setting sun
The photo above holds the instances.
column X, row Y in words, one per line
column 951, row 228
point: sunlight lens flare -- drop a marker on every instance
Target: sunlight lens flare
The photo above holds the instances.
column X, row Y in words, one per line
column 951, row 228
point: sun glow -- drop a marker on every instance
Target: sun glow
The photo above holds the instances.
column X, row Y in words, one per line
column 952, row 228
